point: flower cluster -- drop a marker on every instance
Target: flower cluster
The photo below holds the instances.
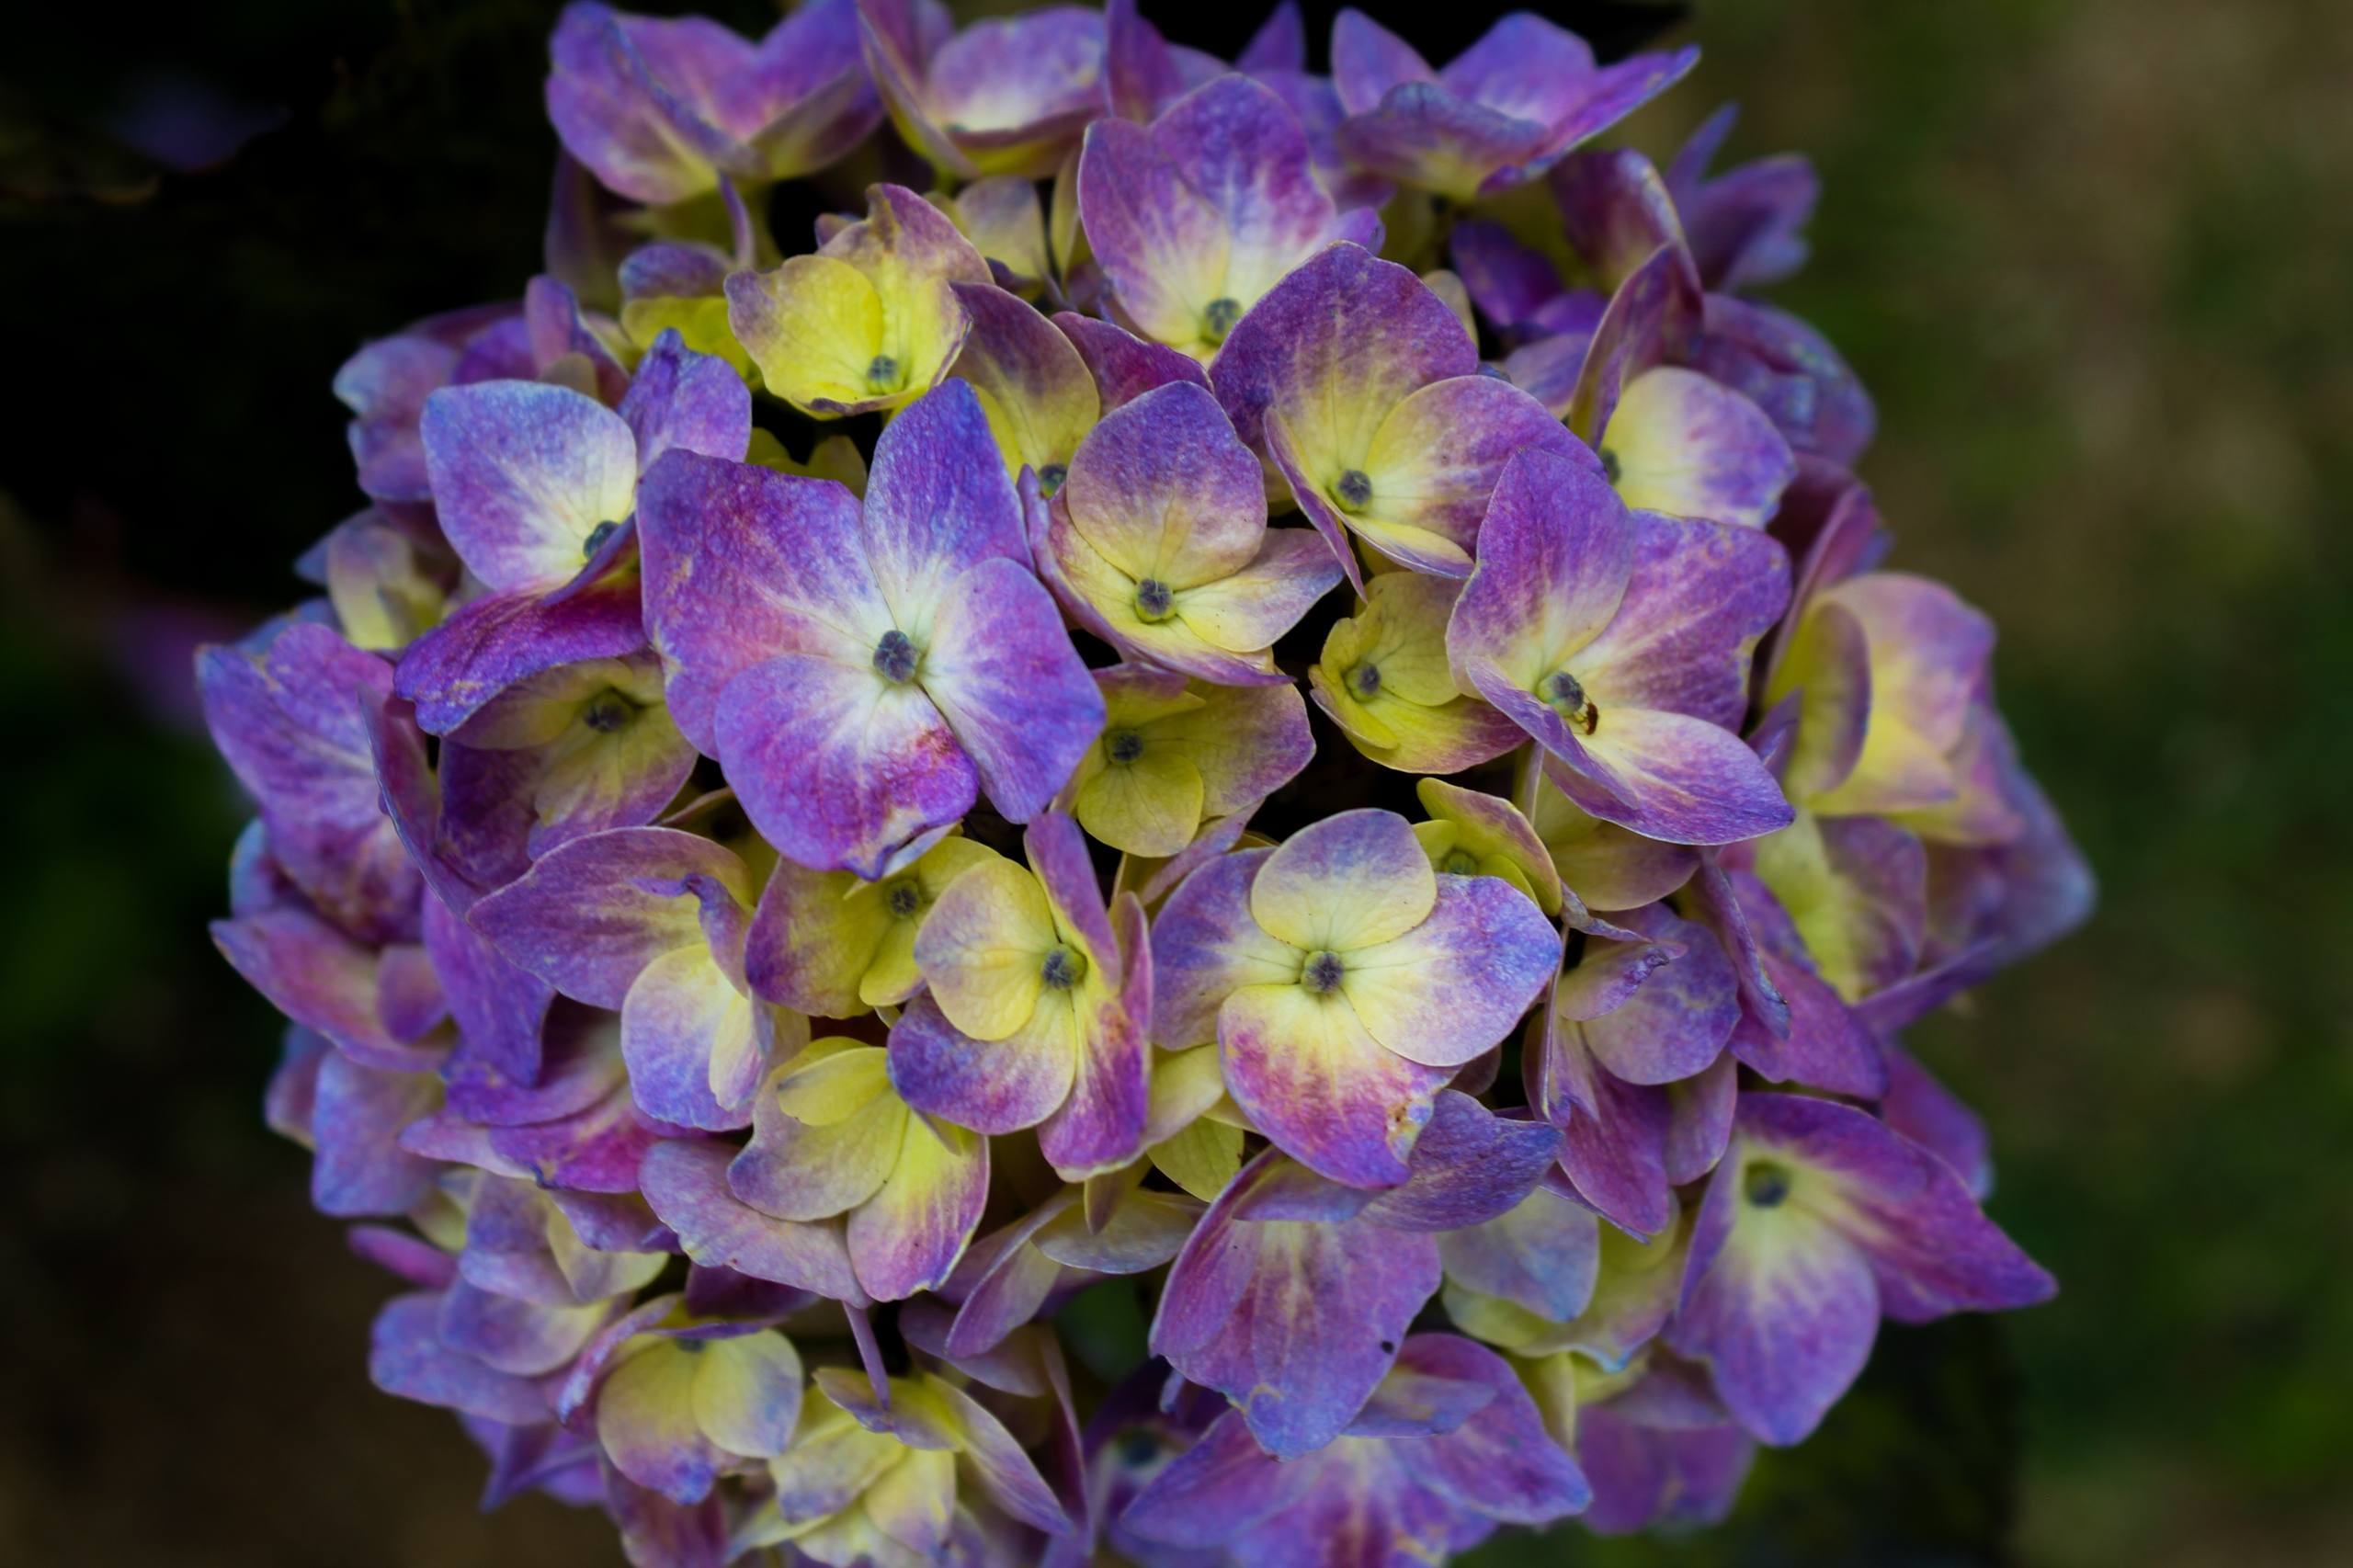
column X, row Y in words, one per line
column 1321, row 729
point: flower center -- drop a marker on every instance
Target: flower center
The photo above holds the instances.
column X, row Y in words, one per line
column 1124, row 746
column 1063, row 969
column 1051, row 477
column 597, row 538
column 882, row 373
column 1364, row 681
column 1460, row 863
column 1154, row 601
column 608, row 711
column 902, row 898
column 1765, row 1184
column 1353, row 489
column 1566, row 695
column 1219, row 315
column 1322, row 972
column 894, row 657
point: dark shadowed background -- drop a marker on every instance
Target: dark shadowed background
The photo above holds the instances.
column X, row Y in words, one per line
column 2096, row 261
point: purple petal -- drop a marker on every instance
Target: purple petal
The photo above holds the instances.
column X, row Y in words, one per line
column 457, row 669
column 1296, row 1321
column 686, row 400
column 523, row 472
column 294, row 727
column 591, row 915
column 1125, row 367
column 1012, row 687
column 1468, row 1167
column 686, row 1182
column 837, row 766
column 742, row 564
column 1454, row 986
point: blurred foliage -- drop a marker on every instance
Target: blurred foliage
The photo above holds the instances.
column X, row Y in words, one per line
column 2090, row 255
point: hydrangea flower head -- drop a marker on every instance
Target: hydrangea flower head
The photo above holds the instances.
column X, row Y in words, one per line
column 1365, row 779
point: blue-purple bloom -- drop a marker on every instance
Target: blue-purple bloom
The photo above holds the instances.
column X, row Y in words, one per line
column 768, row 923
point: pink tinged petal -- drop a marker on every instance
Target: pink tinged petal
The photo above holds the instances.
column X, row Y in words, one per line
column 684, row 1180
column 1101, row 1125
column 623, row 96
column 1242, row 614
column 1543, row 1254
column 299, row 726
column 1205, row 945
column 1422, row 135
column 1241, row 149
column 1780, row 1305
column 691, row 400
column 1499, row 1463
column 1009, row 1293
column 1666, row 775
column 1826, row 1045
column 1683, row 445
column 908, row 1236
column 385, row 385
column 1013, row 690
column 1296, row 1320
column 747, row 1393
column 1829, row 666
column 837, row 766
column 1222, row 1485
column 742, row 564
column 596, row 1150
column 1161, row 243
column 1125, row 367
column 655, row 1530
column 993, row 1086
column 1353, row 880
column 1034, row 388
column 1468, row 1167
column 1908, row 1212
column 1333, row 348
column 1790, row 371
column 1163, row 491
column 938, row 503
column 322, row 980
column 469, row 660
column 516, row 1336
column 1556, row 553
column 806, row 1170
column 523, row 472
column 1698, row 598
column 590, row 917
column 810, row 102
column 646, row 1422
column 1307, row 1074
column 998, row 1462
column 1699, row 1117
column 1510, row 282
column 694, row 1045
column 1651, row 318
column 407, row 1357
column 1676, row 1021
column 355, row 1117
column 1454, row 986
column 1616, row 211
column 1435, row 461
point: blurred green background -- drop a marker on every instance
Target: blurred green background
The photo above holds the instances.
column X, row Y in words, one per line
column 2096, row 262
